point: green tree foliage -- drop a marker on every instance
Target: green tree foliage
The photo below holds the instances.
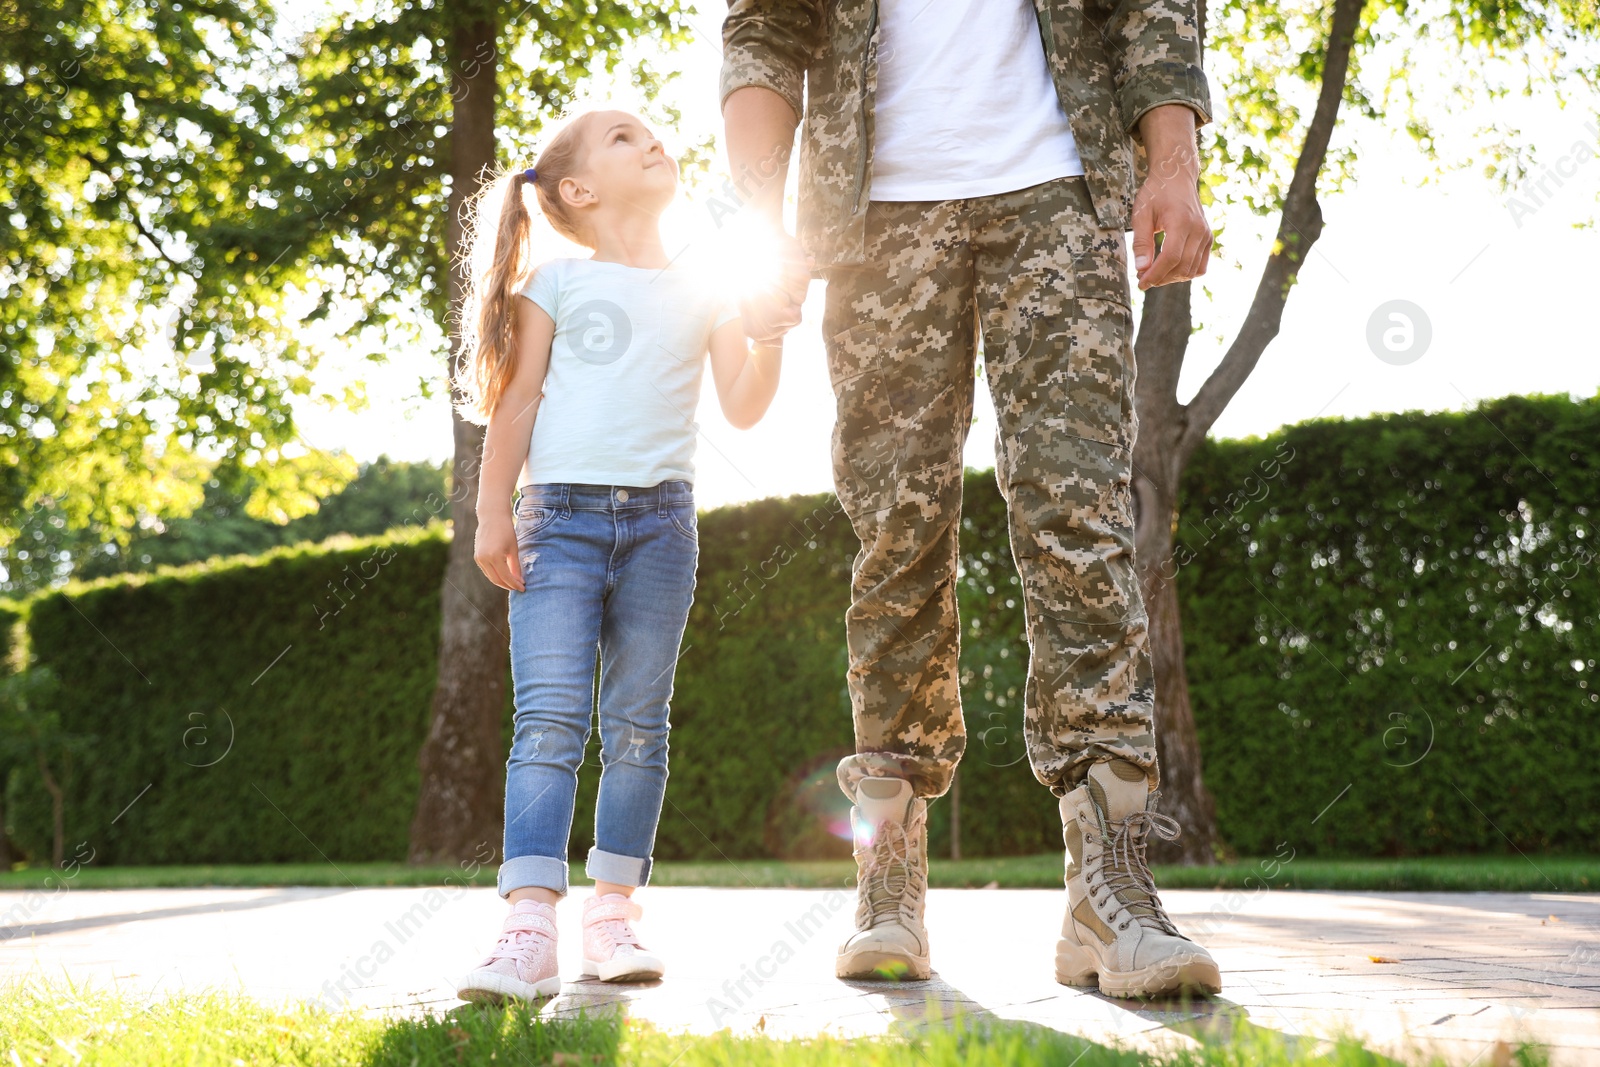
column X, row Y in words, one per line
column 383, row 495
column 144, row 338
column 1406, row 605
column 1266, row 61
column 372, row 116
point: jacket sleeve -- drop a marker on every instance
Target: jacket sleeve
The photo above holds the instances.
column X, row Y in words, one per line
column 1155, row 56
column 770, row 43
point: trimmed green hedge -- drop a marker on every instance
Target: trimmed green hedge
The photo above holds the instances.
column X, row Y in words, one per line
column 313, row 681
column 1404, row 605
column 1408, row 609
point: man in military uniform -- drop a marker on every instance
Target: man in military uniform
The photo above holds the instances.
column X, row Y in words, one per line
column 967, row 170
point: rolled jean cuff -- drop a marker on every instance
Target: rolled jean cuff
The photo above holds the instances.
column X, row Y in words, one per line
column 618, row 870
column 529, row 872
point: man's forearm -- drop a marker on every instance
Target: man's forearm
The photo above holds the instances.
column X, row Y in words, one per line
column 760, row 129
column 1168, row 132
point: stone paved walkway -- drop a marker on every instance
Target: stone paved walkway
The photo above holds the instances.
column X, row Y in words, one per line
column 1453, row 973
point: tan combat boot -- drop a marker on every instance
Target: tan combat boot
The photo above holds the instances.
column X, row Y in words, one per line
column 1116, row 932
column 891, row 837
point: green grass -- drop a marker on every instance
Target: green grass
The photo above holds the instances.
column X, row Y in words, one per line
column 54, row 1025
column 1566, row 874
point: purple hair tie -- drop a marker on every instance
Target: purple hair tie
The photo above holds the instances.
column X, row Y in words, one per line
column 530, row 175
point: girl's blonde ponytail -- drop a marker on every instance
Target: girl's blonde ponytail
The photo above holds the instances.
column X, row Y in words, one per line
column 499, row 215
column 500, row 260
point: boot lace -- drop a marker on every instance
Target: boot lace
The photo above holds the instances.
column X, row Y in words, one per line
column 891, row 876
column 1126, row 874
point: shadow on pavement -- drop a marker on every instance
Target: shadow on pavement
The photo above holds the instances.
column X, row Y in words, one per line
column 1207, row 1020
column 591, row 997
column 89, row 922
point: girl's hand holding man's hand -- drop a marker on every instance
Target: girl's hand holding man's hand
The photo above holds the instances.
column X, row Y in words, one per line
column 769, row 315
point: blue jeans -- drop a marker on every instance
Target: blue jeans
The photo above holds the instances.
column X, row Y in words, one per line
column 607, row 570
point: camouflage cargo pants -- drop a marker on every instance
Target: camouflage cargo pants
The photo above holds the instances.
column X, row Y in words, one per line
column 1048, row 288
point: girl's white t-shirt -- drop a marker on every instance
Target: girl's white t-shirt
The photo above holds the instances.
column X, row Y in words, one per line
column 625, row 372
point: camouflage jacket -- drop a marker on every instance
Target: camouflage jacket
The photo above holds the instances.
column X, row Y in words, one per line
column 1111, row 60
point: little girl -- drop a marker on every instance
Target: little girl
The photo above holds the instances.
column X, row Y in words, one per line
column 588, row 375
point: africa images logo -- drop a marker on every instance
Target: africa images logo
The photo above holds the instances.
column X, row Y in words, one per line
column 601, row 332
column 1399, row 332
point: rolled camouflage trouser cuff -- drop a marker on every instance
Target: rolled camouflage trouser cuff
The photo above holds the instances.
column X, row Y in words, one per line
column 1065, row 775
column 929, row 778
column 1046, row 285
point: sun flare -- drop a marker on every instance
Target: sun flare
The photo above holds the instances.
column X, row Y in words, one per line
column 750, row 259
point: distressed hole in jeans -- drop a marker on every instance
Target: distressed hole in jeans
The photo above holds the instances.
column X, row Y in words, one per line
column 526, row 743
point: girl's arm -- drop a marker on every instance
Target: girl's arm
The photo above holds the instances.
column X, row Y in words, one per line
column 505, row 446
column 746, row 375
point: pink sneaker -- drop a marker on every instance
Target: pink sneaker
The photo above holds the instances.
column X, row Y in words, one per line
column 611, row 950
column 522, row 965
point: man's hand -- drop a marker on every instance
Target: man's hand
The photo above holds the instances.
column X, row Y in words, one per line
column 770, row 315
column 1169, row 202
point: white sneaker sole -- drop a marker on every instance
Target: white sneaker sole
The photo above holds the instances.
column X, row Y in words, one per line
column 636, row 968
column 492, row 987
column 1077, row 966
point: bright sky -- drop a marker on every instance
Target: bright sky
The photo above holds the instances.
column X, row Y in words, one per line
column 1508, row 298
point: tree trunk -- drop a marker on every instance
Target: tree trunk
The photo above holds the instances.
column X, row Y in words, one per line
column 1184, row 795
column 459, row 806
column 1169, row 433
column 58, row 816
column 7, row 851
column 1163, row 338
